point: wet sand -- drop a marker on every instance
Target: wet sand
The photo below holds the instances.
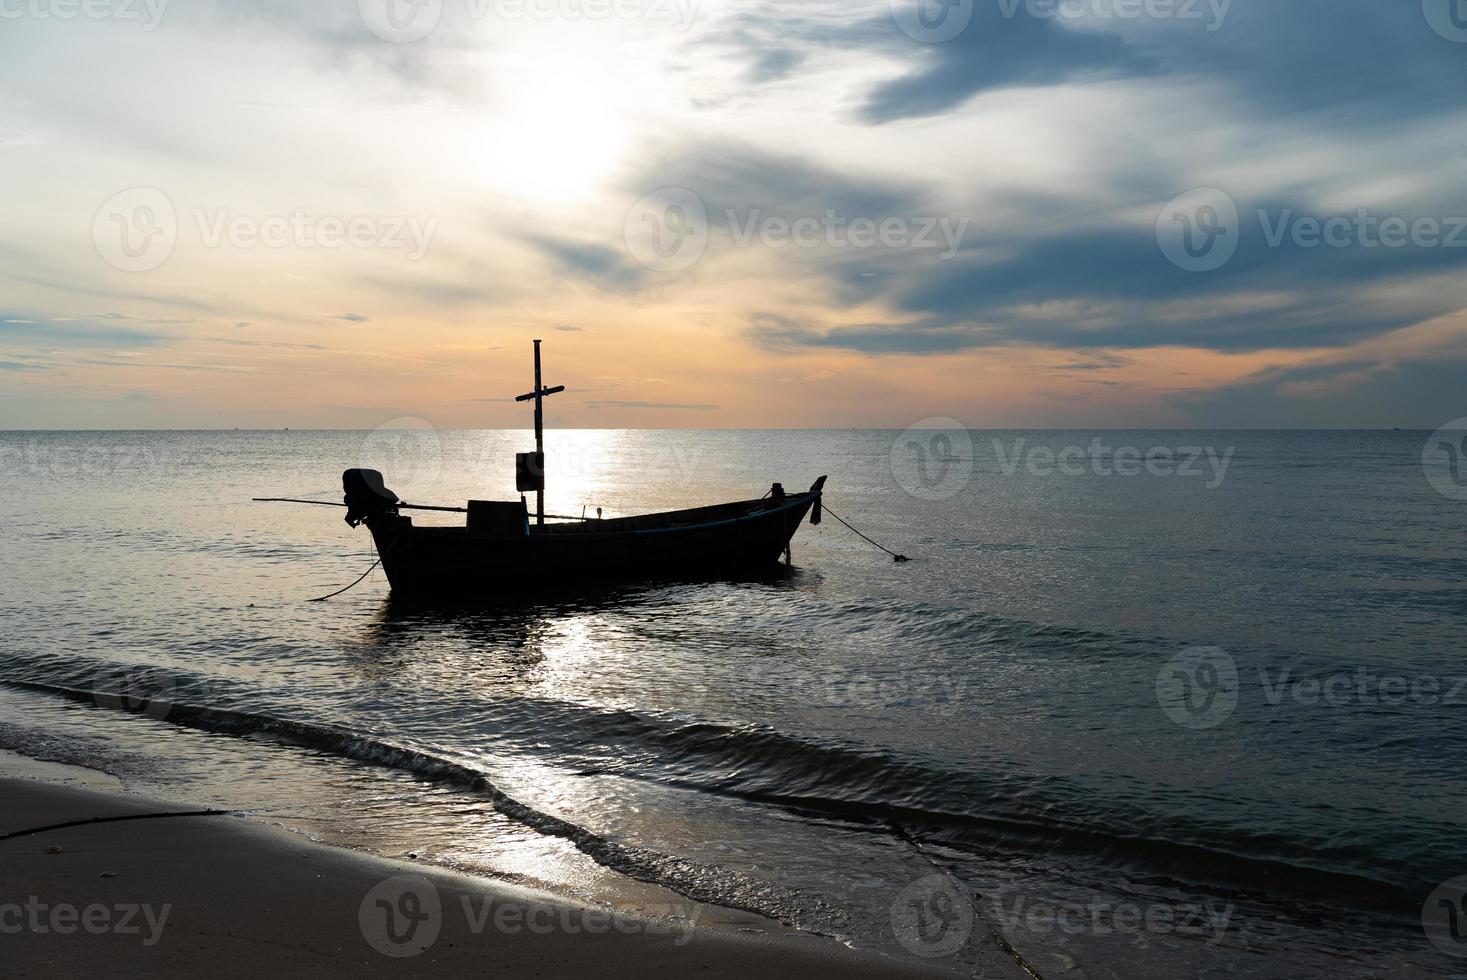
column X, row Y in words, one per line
column 110, row 885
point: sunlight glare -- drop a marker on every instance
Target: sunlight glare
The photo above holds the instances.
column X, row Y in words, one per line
column 555, row 135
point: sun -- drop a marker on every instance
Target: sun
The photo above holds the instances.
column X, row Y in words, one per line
column 555, row 133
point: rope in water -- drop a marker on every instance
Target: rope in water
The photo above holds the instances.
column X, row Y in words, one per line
column 353, row 585
column 896, row 557
column 364, row 574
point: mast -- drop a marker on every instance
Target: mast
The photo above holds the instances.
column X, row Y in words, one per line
column 531, row 471
column 539, row 438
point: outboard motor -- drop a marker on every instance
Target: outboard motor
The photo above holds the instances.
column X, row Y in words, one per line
column 366, row 496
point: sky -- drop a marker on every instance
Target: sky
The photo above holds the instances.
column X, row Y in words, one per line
column 729, row 214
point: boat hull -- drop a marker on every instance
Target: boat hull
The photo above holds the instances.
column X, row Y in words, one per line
column 423, row 562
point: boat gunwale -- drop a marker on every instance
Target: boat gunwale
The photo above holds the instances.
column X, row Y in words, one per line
column 798, row 500
column 594, row 528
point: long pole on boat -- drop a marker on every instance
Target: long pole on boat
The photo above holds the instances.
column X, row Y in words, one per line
column 539, row 438
column 531, row 467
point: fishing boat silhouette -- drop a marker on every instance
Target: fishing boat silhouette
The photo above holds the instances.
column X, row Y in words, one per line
column 502, row 544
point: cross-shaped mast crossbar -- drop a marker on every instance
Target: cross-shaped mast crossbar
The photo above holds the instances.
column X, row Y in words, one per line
column 539, row 395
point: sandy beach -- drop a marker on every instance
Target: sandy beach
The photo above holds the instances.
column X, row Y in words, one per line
column 112, row 885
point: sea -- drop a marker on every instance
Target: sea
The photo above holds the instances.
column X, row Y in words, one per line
column 1141, row 704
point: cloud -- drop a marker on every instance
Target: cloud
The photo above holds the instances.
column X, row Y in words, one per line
column 33, row 330
column 779, row 333
column 351, row 317
column 1377, row 395
column 235, row 342
column 590, row 262
column 435, row 293
column 732, row 175
column 669, row 406
column 997, row 52
column 772, row 65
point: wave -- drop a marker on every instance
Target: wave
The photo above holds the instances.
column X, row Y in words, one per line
column 993, row 816
column 704, row 883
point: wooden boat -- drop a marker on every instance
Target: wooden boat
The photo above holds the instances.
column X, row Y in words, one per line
column 501, row 544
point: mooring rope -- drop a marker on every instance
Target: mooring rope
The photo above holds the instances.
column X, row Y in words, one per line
column 353, row 585
column 896, row 557
column 364, row 574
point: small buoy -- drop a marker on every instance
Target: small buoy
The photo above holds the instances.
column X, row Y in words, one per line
column 54, row 849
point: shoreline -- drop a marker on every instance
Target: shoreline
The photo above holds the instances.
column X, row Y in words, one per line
column 170, row 890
